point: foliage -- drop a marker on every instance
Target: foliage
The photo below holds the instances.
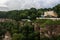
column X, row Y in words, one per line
column 26, row 32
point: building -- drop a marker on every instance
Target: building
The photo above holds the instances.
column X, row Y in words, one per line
column 50, row 14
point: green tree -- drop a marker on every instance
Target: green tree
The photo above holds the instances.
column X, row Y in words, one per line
column 18, row 36
column 57, row 9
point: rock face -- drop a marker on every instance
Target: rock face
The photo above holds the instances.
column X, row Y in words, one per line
column 50, row 30
column 50, row 14
column 7, row 36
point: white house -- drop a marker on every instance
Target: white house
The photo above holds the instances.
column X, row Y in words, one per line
column 50, row 14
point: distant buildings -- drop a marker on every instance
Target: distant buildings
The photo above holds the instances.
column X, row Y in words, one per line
column 26, row 20
column 50, row 14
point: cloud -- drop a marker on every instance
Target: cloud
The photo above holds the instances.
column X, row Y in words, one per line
column 23, row 4
column 2, row 3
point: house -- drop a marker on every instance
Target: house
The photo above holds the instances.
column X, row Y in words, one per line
column 50, row 14
column 26, row 20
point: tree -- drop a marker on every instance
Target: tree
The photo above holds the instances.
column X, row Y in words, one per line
column 18, row 36
column 39, row 12
column 57, row 9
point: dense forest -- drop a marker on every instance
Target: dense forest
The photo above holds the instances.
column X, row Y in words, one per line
column 28, row 13
column 26, row 30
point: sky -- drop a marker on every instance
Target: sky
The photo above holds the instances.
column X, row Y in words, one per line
column 26, row 4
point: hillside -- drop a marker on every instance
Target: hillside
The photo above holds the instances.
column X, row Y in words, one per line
column 30, row 24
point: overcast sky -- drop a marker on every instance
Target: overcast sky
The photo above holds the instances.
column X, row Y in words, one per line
column 23, row 4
